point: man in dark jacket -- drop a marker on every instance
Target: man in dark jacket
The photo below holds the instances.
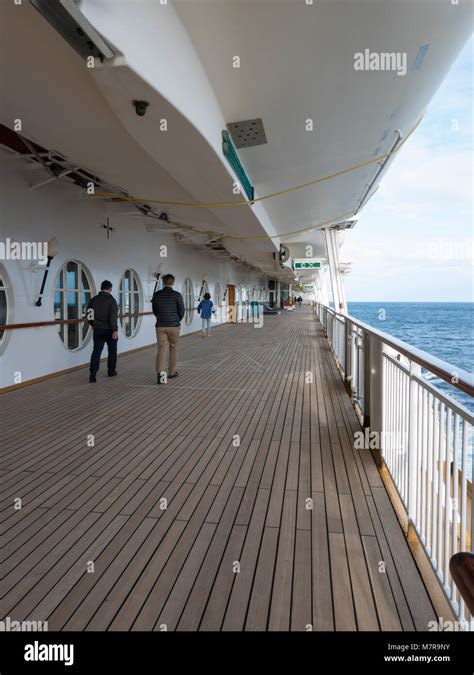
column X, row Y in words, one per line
column 168, row 307
column 102, row 312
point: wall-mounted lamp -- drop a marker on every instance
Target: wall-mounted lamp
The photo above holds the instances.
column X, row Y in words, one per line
column 157, row 274
column 52, row 252
column 201, row 292
column 226, row 289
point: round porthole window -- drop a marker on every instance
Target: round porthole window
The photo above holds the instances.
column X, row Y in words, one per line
column 73, row 290
column 130, row 303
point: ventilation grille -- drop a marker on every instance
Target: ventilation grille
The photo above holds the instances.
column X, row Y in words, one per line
column 248, row 133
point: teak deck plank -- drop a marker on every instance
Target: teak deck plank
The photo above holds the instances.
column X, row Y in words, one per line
column 272, row 520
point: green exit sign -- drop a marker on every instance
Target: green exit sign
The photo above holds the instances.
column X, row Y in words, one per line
column 307, row 264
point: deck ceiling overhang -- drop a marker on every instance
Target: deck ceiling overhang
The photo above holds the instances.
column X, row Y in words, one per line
column 65, row 106
column 296, row 64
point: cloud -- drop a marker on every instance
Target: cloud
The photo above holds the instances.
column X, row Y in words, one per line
column 417, row 229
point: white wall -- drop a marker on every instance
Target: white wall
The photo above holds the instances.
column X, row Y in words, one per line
column 64, row 211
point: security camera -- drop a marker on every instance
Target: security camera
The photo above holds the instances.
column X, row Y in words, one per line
column 140, row 107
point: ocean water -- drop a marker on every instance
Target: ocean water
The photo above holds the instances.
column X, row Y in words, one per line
column 443, row 329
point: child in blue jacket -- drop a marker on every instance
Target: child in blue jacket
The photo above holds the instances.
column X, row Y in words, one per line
column 205, row 309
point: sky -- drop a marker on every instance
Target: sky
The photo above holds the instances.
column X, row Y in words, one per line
column 414, row 238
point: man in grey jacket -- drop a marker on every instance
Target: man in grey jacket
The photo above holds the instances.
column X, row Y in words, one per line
column 168, row 307
column 102, row 312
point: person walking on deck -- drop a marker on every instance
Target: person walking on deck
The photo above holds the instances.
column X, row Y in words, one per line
column 102, row 313
column 205, row 309
column 168, row 307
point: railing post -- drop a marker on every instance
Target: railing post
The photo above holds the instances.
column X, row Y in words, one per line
column 342, row 347
column 366, row 341
column 339, row 332
column 348, row 355
column 373, row 385
column 355, row 360
column 415, row 369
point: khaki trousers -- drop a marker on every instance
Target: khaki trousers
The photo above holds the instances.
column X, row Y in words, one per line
column 167, row 335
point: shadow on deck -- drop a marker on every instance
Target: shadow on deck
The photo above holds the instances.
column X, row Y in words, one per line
column 192, row 508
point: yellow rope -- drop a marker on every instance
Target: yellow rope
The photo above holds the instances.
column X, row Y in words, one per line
column 261, row 236
column 141, row 200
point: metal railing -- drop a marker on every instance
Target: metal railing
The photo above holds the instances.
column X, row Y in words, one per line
column 422, row 435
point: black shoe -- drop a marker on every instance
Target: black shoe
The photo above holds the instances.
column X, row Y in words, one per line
column 170, row 377
column 113, row 374
column 92, row 378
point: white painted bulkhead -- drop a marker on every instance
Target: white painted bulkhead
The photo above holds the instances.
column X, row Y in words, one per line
column 66, row 212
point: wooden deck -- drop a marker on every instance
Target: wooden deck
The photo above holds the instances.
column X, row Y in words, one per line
column 92, row 547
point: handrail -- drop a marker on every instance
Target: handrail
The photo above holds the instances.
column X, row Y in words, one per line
column 443, row 369
column 446, row 398
column 58, row 322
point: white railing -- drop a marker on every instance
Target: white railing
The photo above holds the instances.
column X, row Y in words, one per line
column 422, row 435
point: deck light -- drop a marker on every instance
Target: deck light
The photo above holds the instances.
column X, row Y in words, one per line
column 234, row 161
column 52, row 252
column 227, row 283
column 157, row 274
column 201, row 292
